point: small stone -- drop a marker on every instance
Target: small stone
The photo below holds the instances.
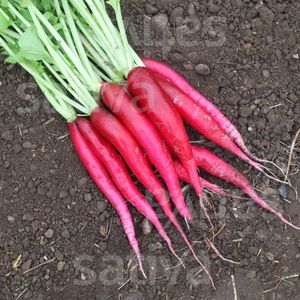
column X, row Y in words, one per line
column 155, row 246
column 28, row 145
column 247, row 45
column 17, row 148
column 251, row 274
column 101, row 206
column 176, row 57
column 282, row 190
column 160, row 22
column 66, row 234
column 26, row 265
column 266, row 15
column 266, row 73
column 59, row 255
column 213, row 8
column 82, row 181
column 295, row 56
column 202, row 69
column 270, row 256
column 28, row 217
column 191, row 9
column 49, row 233
column 188, row 66
column 103, row 230
column 60, row 266
column 147, row 227
column 35, row 225
column 222, row 211
column 7, row 136
column 88, row 197
column 176, row 17
column 150, row 9
column 63, row 194
column 10, row 219
column 245, row 111
column 20, row 111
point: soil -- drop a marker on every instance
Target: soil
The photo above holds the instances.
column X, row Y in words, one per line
column 244, row 55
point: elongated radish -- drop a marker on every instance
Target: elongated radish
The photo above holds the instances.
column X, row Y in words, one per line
column 177, row 80
column 104, row 183
column 215, row 166
column 113, row 130
column 117, row 169
column 197, row 117
column 118, row 101
column 163, row 114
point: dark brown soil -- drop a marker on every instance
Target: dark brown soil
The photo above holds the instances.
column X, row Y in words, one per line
column 51, row 214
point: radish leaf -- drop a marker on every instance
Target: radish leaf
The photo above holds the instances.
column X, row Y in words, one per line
column 30, row 45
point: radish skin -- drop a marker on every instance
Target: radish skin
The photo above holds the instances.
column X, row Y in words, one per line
column 215, row 166
column 114, row 131
column 182, row 174
column 100, row 176
column 160, row 110
column 177, row 80
column 201, row 120
column 117, row 169
column 118, row 102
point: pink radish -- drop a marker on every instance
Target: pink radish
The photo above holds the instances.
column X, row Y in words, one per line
column 104, row 183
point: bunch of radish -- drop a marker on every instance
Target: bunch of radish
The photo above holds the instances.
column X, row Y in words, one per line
column 76, row 53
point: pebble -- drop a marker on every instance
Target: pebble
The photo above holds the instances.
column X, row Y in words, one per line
column 26, row 265
column 60, row 266
column 150, row 9
column 20, row 111
column 66, row 234
column 28, row 217
column 222, row 211
column 160, row 22
column 82, row 181
column 147, row 227
column 49, row 233
column 155, row 246
column 7, row 136
column 266, row 73
column 135, row 296
column 176, row 57
column 251, row 274
column 28, row 145
column 295, row 56
column 245, row 111
column 176, row 17
column 63, row 194
column 17, row 148
column 101, row 206
column 212, row 8
column 191, row 9
column 270, row 256
column 202, row 69
column 266, row 15
column 282, row 190
column 10, row 219
column 35, row 225
column 88, row 197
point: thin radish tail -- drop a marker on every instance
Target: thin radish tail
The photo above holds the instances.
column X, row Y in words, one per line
column 155, row 221
column 127, row 224
column 181, row 206
column 203, row 207
column 176, row 224
column 252, row 194
column 169, row 243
